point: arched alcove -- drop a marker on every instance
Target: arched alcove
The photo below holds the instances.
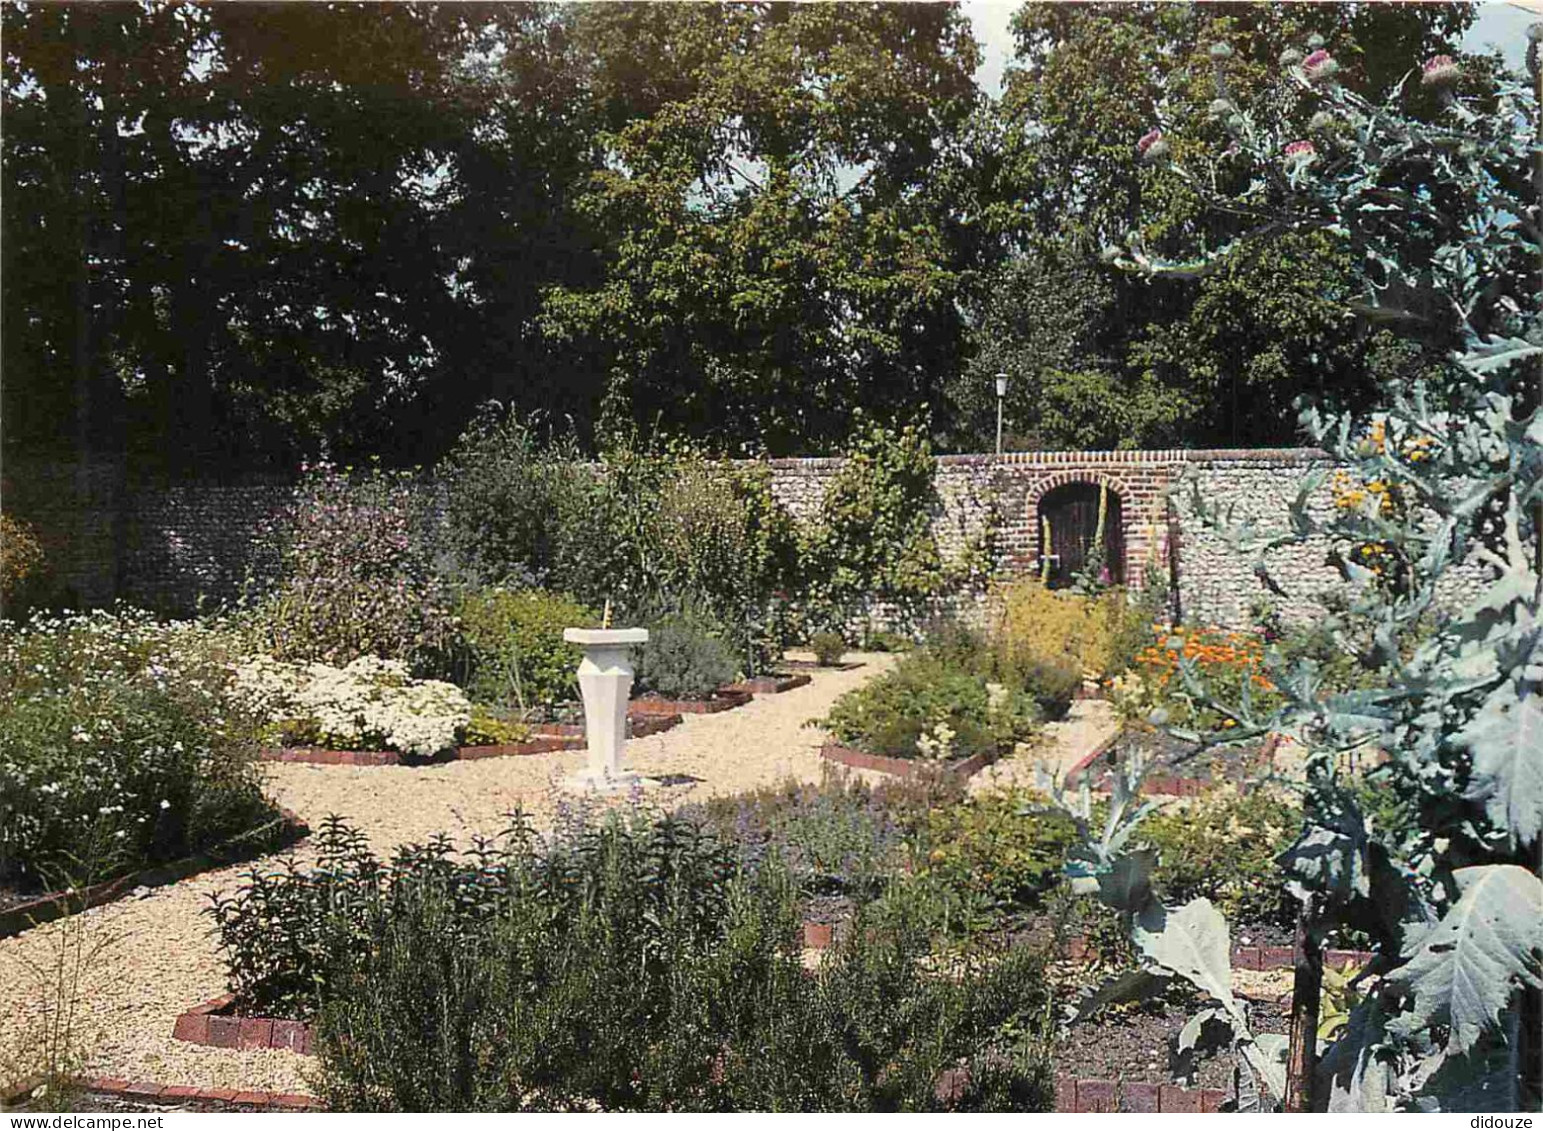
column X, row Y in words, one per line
column 1066, row 518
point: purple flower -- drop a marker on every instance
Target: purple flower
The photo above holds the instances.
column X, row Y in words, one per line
column 1440, row 70
column 1152, row 146
column 1319, row 66
column 1299, row 155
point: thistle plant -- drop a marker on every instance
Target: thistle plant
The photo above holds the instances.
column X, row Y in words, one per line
column 1436, row 193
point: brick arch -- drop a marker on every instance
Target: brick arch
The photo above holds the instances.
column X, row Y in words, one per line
column 1143, row 521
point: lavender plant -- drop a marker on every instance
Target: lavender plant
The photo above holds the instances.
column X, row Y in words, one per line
column 1436, row 192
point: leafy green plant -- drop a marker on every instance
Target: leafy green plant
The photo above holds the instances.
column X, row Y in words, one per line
column 1452, row 906
column 873, row 541
column 923, row 708
column 630, row 964
column 1225, row 846
column 685, row 657
column 984, row 845
column 356, row 573
column 513, row 647
column 828, row 648
column 112, row 720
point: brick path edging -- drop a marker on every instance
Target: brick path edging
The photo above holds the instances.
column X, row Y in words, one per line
column 1089, row 1095
column 208, row 1024
column 319, row 756
column 771, row 684
column 1161, row 784
column 901, row 767
column 146, row 1091
column 724, row 699
column 287, row 826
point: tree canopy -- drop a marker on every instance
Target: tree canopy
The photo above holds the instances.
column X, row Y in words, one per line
column 245, row 234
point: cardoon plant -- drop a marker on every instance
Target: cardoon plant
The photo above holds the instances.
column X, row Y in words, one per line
column 1436, row 192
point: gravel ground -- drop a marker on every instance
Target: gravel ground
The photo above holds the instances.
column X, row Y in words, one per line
column 154, row 956
column 1062, row 746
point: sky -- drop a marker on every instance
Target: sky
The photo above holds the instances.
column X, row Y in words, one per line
column 1499, row 25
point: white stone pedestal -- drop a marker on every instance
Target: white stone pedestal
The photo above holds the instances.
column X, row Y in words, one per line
column 605, row 681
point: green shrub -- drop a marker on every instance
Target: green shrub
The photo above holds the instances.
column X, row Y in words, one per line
column 923, row 708
column 508, row 484
column 513, row 649
column 1051, row 682
column 118, row 736
column 685, row 657
column 985, row 845
column 873, row 541
column 887, row 642
column 629, row 965
column 1224, row 846
column 356, row 574
column 828, row 648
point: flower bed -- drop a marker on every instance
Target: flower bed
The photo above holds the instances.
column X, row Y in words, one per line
column 319, row 756
column 270, row 836
column 638, row 726
column 904, row 767
column 723, row 699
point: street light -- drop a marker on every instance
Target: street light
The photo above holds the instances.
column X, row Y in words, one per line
column 1001, row 395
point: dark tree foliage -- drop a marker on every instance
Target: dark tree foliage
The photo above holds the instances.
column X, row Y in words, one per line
column 268, row 230
column 1099, row 359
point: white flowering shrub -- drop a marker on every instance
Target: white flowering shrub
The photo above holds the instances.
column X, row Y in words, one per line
column 369, row 704
column 119, row 746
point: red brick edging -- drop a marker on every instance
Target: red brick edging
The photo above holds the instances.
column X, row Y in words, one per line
column 52, row 905
column 148, row 1092
column 638, row 726
column 1074, row 1095
column 901, row 767
column 770, row 684
column 1161, row 784
column 724, row 699
column 210, row 1024
column 318, row 756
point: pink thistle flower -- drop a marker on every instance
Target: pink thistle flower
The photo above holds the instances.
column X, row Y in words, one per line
column 1152, row 146
column 1440, row 70
column 1319, row 65
column 1299, row 155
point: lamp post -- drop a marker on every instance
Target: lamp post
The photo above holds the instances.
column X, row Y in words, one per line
column 1001, row 395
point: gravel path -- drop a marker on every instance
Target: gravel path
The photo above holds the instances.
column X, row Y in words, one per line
column 1059, row 749
column 155, row 956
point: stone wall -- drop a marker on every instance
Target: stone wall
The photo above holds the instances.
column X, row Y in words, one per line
column 165, row 545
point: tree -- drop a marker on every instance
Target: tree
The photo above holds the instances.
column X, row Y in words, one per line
column 777, row 247
column 1156, row 366
column 253, row 232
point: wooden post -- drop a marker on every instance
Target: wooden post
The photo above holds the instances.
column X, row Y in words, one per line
column 1306, row 990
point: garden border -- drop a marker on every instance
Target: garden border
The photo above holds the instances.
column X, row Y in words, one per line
column 723, row 699
column 902, row 767
column 320, row 756
column 770, row 684
column 150, row 1092
column 212, row 1024
column 1162, row 785
column 288, row 828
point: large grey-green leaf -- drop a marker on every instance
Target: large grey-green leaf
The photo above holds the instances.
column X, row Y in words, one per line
column 1193, row 943
column 1354, row 1073
column 1464, row 969
column 1266, row 1055
column 1483, row 1079
column 1132, row 985
column 1127, row 885
column 1505, row 739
